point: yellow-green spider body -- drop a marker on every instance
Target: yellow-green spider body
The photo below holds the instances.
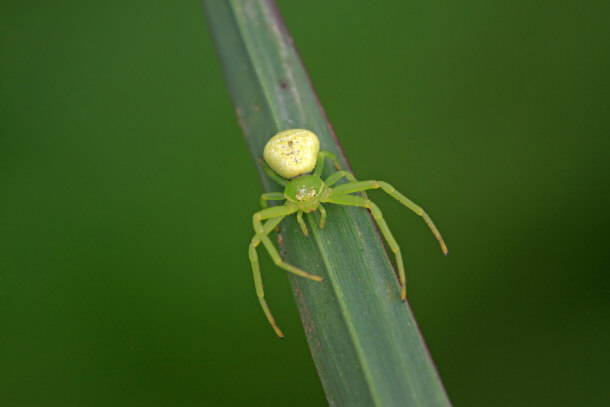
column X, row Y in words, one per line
column 289, row 156
column 291, row 153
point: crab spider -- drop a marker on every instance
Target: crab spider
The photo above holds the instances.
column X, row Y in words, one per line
column 289, row 156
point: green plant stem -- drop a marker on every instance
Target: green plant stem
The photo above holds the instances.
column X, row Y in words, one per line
column 363, row 338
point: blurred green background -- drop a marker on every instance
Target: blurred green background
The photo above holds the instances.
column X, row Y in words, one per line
column 126, row 194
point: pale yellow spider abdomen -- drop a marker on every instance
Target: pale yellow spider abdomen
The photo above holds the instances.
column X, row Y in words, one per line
column 293, row 152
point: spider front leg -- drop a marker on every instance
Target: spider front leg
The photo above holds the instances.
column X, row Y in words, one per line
column 261, row 236
column 342, row 199
column 390, row 190
column 275, row 214
column 258, row 281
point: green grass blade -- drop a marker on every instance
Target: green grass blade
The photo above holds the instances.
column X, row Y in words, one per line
column 364, row 339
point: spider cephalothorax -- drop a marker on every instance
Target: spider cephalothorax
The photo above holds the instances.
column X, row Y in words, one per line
column 289, row 156
column 306, row 192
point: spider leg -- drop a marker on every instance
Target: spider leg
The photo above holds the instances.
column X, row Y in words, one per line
column 271, row 174
column 275, row 216
column 390, row 190
column 258, row 281
column 301, row 223
column 385, row 230
column 323, row 218
column 261, row 236
column 340, row 174
column 271, row 196
column 320, row 164
column 336, row 176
